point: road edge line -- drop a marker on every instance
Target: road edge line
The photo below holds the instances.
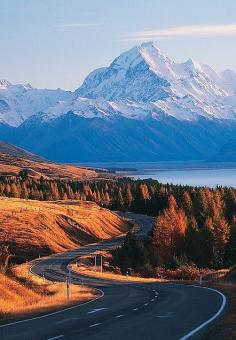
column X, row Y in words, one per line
column 207, row 322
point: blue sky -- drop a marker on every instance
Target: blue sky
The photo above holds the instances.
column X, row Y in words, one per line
column 56, row 43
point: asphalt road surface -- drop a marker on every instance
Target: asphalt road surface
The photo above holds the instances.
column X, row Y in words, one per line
column 121, row 311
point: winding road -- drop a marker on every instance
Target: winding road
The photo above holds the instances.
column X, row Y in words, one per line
column 124, row 311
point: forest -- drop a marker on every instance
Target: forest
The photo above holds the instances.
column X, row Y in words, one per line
column 195, row 225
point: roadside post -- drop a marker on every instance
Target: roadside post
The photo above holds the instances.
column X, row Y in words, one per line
column 95, row 263
column 101, row 263
column 69, row 271
column 200, row 279
column 67, row 289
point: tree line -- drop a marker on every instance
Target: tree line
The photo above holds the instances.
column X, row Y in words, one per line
column 194, row 224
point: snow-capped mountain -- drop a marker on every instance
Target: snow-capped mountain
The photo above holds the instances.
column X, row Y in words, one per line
column 229, row 79
column 143, row 82
column 19, row 102
column 142, row 106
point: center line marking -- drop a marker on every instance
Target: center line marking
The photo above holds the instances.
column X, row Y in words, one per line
column 145, row 304
column 135, row 309
column 56, row 337
column 152, row 299
column 119, row 316
column 96, row 310
column 95, row 324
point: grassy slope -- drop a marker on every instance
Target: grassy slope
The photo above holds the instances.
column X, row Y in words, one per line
column 14, row 159
column 15, row 151
column 27, row 294
column 34, row 227
column 11, row 165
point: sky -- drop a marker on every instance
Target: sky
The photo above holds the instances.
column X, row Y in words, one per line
column 56, row 43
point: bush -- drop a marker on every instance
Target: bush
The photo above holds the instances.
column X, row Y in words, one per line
column 184, row 272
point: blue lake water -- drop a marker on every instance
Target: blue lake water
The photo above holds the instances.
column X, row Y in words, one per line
column 189, row 173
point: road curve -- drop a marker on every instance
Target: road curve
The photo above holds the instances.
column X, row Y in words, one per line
column 120, row 311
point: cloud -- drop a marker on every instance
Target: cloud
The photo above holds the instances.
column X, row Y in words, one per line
column 184, row 31
column 79, row 24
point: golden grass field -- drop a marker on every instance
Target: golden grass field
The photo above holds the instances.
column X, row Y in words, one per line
column 35, row 227
column 24, row 294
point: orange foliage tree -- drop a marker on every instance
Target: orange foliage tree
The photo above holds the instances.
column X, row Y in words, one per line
column 169, row 230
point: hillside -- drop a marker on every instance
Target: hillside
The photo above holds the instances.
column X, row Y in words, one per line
column 14, row 159
column 31, row 228
column 227, row 153
column 14, row 151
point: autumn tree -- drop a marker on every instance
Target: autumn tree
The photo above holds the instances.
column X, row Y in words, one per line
column 169, row 230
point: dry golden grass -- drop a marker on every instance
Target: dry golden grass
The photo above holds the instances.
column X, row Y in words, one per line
column 34, row 227
column 12, row 164
column 90, row 271
column 24, row 294
column 85, row 267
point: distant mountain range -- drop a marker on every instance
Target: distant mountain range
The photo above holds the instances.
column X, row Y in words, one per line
column 142, row 107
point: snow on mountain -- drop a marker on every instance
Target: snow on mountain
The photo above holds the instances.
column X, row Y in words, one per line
column 19, row 102
column 144, row 75
column 229, row 79
column 139, row 84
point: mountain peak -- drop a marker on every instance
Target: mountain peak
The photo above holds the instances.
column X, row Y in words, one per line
column 149, row 45
column 137, row 74
column 4, row 84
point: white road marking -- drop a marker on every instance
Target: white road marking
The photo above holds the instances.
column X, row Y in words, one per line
column 204, row 324
column 135, row 309
column 119, row 316
column 152, row 300
column 65, row 320
column 96, row 310
column 146, row 304
column 168, row 315
column 95, row 324
column 56, row 337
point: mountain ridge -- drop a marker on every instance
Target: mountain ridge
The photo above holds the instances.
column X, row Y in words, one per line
column 143, row 106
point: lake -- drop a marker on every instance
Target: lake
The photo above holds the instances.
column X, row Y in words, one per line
column 189, row 173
